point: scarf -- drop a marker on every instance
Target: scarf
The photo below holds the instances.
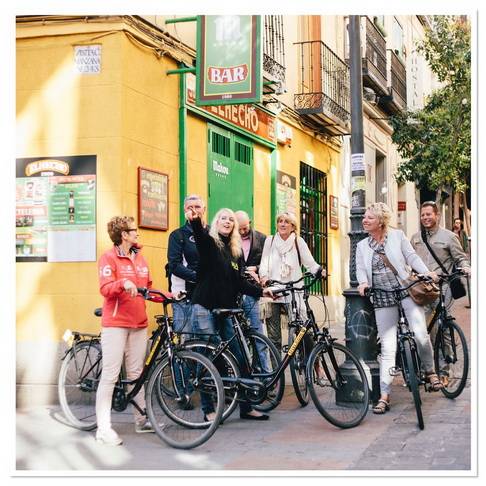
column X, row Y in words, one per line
column 284, row 247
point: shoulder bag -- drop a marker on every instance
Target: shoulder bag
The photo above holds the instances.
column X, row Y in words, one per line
column 422, row 293
column 457, row 287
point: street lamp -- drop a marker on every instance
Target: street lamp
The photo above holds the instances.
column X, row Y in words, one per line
column 360, row 326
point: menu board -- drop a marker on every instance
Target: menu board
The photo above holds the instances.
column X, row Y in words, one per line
column 153, row 211
column 56, row 209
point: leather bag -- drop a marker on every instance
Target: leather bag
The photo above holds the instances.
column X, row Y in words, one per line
column 422, row 293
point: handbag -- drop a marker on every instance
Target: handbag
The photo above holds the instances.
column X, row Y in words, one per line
column 457, row 287
column 422, row 293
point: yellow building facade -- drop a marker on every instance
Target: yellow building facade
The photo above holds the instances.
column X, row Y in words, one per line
column 128, row 115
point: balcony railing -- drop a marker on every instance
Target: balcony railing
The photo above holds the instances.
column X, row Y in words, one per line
column 374, row 58
column 323, row 87
column 397, row 83
column 273, row 52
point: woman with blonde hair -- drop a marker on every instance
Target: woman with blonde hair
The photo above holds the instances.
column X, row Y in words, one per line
column 283, row 255
column 219, row 280
column 384, row 260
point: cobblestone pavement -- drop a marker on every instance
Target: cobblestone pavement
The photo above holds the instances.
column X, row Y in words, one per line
column 294, row 439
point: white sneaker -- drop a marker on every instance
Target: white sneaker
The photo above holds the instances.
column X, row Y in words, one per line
column 143, row 427
column 108, row 437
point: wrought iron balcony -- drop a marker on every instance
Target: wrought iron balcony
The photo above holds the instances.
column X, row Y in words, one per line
column 273, row 54
column 323, row 90
column 374, row 58
column 397, row 84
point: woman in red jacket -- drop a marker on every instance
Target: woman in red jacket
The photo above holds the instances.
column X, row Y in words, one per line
column 124, row 322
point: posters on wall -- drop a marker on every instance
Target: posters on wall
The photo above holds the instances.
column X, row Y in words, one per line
column 286, row 193
column 153, row 199
column 56, row 209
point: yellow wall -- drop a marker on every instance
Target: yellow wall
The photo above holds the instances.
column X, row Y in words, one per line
column 307, row 149
column 126, row 116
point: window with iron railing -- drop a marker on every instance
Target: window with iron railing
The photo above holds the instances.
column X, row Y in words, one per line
column 313, row 216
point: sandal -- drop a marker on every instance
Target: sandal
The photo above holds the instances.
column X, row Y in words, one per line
column 434, row 382
column 381, row 407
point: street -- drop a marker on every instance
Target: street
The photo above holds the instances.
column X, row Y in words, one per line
column 294, row 439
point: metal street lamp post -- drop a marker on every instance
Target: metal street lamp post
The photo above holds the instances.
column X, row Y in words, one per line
column 360, row 327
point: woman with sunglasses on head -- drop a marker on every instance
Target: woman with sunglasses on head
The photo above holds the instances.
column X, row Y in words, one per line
column 124, row 322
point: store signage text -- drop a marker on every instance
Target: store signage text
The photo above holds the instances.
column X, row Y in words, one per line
column 47, row 166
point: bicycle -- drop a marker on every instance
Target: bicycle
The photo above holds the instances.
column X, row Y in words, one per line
column 298, row 363
column 260, row 359
column 451, row 355
column 175, row 378
column 334, row 376
column 408, row 360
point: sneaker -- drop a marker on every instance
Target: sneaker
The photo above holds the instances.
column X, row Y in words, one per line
column 108, row 437
column 144, row 427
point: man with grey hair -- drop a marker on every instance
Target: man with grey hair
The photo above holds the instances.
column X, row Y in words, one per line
column 252, row 242
column 183, row 262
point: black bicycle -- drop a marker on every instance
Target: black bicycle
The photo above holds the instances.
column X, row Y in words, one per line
column 451, row 355
column 334, row 376
column 408, row 361
column 174, row 380
column 260, row 359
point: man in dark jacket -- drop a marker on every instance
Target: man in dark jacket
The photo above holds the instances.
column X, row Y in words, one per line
column 183, row 262
column 252, row 242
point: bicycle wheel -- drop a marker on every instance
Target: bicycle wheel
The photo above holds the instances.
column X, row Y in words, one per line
column 451, row 358
column 298, row 365
column 411, row 369
column 176, row 424
column 227, row 367
column 265, row 359
column 77, row 384
column 338, row 385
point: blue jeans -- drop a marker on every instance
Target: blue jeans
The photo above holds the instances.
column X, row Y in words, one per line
column 182, row 316
column 251, row 306
column 205, row 323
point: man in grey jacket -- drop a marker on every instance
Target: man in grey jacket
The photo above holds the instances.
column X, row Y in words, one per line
column 448, row 250
column 443, row 242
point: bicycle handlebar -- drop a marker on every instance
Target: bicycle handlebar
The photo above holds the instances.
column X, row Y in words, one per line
column 421, row 278
column 288, row 286
column 159, row 296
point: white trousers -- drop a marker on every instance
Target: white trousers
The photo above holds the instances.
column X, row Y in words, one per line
column 116, row 343
column 386, row 322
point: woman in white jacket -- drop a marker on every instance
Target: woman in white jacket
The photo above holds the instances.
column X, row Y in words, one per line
column 373, row 270
column 282, row 257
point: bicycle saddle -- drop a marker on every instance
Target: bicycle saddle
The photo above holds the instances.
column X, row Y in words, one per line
column 227, row 312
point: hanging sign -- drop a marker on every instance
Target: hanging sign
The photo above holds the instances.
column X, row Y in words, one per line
column 229, row 60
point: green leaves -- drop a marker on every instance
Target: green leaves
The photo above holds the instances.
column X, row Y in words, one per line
column 436, row 140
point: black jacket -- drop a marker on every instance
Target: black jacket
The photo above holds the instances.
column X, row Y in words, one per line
column 182, row 245
column 256, row 249
column 219, row 276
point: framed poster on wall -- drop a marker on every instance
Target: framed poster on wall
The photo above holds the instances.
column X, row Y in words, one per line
column 153, row 199
column 55, row 215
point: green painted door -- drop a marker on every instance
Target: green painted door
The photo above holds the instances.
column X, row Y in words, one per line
column 230, row 172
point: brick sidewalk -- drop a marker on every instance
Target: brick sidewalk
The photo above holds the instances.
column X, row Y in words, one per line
column 294, row 439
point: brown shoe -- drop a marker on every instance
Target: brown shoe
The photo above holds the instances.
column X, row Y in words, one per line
column 381, row 407
column 434, row 382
